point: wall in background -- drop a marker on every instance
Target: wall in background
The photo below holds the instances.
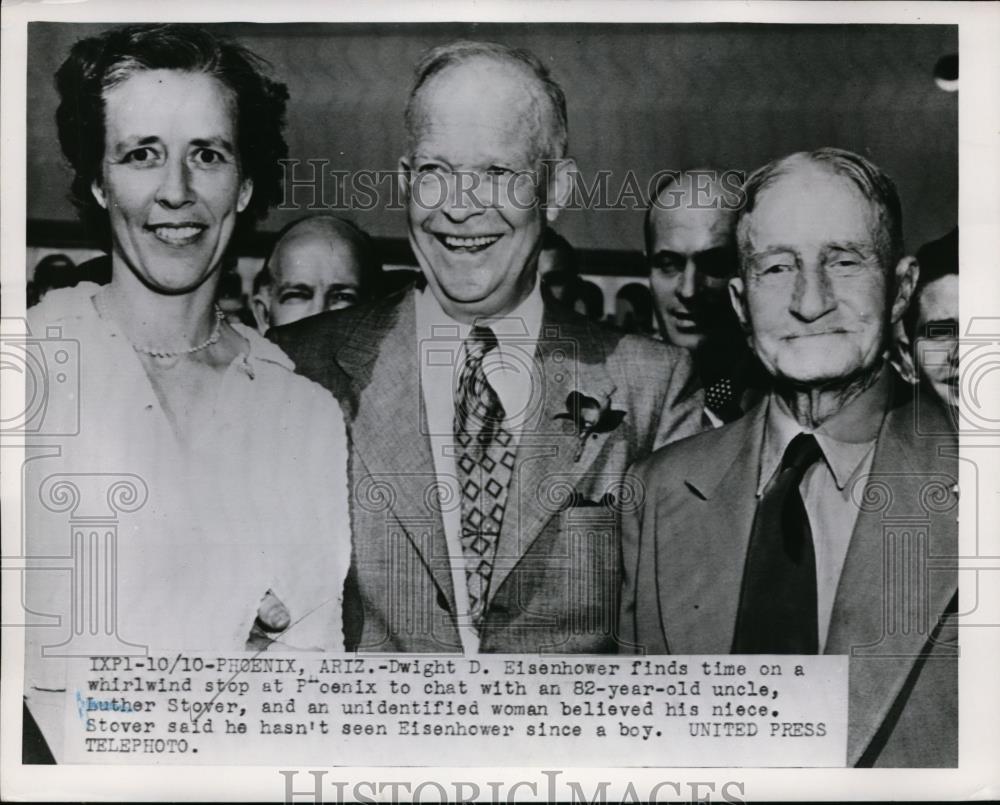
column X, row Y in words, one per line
column 641, row 98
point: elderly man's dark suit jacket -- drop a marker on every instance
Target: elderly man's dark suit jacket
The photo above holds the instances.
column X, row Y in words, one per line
column 556, row 578
column 685, row 551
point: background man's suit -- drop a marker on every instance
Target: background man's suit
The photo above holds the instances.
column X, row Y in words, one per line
column 555, row 585
column 685, row 552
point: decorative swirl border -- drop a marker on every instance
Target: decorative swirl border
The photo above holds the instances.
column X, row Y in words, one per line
column 59, row 494
column 937, row 496
column 871, row 494
column 441, row 496
column 375, row 494
column 126, row 495
column 622, row 495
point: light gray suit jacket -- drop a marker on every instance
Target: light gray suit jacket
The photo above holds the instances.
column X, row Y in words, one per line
column 686, row 547
column 556, row 578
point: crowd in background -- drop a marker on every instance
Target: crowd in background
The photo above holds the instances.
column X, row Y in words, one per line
column 325, row 262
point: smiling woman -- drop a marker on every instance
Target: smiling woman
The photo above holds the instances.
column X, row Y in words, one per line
column 238, row 536
column 170, row 179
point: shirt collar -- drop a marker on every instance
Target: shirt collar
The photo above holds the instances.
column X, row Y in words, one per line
column 846, row 438
column 521, row 326
column 441, row 349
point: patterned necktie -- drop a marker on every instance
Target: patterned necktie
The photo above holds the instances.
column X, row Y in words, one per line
column 777, row 612
column 721, row 400
column 485, row 460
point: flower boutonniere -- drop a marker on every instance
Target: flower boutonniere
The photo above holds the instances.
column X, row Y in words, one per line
column 590, row 417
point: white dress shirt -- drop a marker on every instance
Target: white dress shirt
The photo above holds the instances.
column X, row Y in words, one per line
column 847, row 440
column 255, row 499
column 510, row 370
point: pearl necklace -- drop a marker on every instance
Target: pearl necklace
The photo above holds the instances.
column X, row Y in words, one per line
column 164, row 353
column 212, row 339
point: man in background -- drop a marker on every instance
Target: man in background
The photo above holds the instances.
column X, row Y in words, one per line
column 53, row 271
column 558, row 268
column 690, row 242
column 318, row 263
column 931, row 323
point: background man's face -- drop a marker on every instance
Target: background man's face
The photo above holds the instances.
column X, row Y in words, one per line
column 311, row 274
column 813, row 291
column 691, row 259
column 476, row 122
column 936, row 336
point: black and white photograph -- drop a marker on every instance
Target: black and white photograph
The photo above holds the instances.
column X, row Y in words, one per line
column 532, row 402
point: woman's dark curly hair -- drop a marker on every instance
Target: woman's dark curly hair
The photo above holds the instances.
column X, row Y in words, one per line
column 99, row 63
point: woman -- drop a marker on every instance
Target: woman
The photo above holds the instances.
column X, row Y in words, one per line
column 233, row 532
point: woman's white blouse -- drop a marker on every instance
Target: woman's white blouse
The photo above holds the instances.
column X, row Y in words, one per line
column 193, row 535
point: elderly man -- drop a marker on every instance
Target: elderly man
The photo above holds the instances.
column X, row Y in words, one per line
column 318, row 263
column 690, row 235
column 773, row 534
column 487, row 425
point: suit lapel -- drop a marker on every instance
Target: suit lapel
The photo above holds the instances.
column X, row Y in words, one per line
column 569, row 358
column 385, row 373
column 878, row 619
column 888, row 599
column 699, row 565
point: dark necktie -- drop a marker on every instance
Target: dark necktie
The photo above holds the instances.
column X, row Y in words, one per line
column 777, row 612
column 484, row 460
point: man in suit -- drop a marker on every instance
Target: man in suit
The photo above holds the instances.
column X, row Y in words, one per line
column 822, row 521
column 490, row 430
column 690, row 248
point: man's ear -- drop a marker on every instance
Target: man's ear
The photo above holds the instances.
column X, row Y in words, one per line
column 905, row 282
column 261, row 307
column 738, row 299
column 98, row 194
column 246, row 193
column 561, row 181
column 403, row 178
